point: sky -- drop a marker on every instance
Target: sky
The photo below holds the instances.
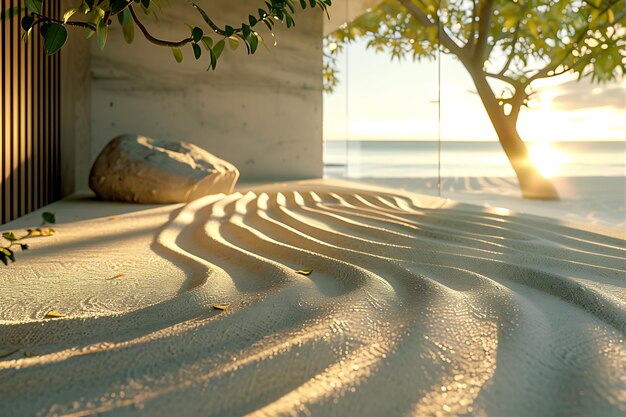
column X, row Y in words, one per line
column 384, row 100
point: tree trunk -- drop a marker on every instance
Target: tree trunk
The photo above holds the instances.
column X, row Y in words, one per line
column 532, row 184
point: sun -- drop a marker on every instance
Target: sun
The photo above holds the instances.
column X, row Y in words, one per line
column 547, row 159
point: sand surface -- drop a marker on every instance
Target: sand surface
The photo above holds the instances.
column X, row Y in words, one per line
column 592, row 203
column 416, row 306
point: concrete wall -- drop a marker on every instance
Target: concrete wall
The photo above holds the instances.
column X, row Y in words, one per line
column 343, row 11
column 263, row 112
column 75, row 111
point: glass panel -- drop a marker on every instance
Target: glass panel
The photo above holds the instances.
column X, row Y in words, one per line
column 386, row 113
column 574, row 131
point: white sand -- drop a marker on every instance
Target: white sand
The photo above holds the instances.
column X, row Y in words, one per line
column 599, row 202
column 416, row 306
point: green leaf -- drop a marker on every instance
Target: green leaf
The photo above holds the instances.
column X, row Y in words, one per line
column 254, row 42
column 89, row 33
column 3, row 258
column 128, row 26
column 233, row 43
column 26, row 35
column 245, row 30
column 219, row 48
column 24, row 246
column 55, row 37
column 229, row 30
column 101, row 34
column 208, row 42
column 197, row 51
column 252, row 20
column 145, row 3
column 49, row 217
column 34, row 6
column 196, row 34
column 27, row 22
column 121, row 17
column 6, row 251
column 610, row 16
column 178, row 54
column 43, row 28
column 213, row 60
column 100, row 11
column 10, row 236
column 69, row 13
column 117, row 5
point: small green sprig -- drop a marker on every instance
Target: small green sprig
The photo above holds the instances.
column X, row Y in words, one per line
column 7, row 253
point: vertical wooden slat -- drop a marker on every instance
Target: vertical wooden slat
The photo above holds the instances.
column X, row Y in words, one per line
column 30, row 129
column 14, row 116
column 38, row 111
column 45, row 116
column 22, row 143
column 42, row 124
column 57, row 117
column 28, row 117
column 55, row 112
column 3, row 116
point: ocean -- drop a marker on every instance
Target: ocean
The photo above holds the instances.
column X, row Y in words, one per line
column 411, row 159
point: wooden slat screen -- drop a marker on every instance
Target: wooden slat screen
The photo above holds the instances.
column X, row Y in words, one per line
column 30, row 118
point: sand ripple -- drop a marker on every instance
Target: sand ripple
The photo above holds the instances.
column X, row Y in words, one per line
column 415, row 307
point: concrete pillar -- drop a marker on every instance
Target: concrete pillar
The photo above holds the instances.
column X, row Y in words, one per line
column 75, row 110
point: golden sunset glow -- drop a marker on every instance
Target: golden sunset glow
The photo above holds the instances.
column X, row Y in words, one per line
column 547, row 158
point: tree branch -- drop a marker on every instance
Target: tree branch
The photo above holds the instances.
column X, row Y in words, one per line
column 151, row 38
column 483, row 32
column 509, row 80
column 445, row 40
column 470, row 41
column 509, row 60
column 44, row 19
column 545, row 72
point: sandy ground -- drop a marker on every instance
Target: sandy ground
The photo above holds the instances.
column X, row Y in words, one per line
column 593, row 203
column 416, row 306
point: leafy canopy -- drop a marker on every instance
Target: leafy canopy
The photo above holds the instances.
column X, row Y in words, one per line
column 516, row 41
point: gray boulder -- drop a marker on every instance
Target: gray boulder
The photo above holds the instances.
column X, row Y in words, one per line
column 139, row 169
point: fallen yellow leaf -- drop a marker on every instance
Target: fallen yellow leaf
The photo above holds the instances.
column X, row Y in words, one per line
column 117, row 276
column 54, row 315
column 220, row 306
column 305, row 272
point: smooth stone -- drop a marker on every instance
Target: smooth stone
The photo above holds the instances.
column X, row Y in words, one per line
column 138, row 169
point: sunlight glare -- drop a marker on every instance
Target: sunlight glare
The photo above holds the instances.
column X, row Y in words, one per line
column 547, row 159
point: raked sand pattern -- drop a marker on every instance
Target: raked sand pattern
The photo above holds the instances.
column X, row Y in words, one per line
column 416, row 306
